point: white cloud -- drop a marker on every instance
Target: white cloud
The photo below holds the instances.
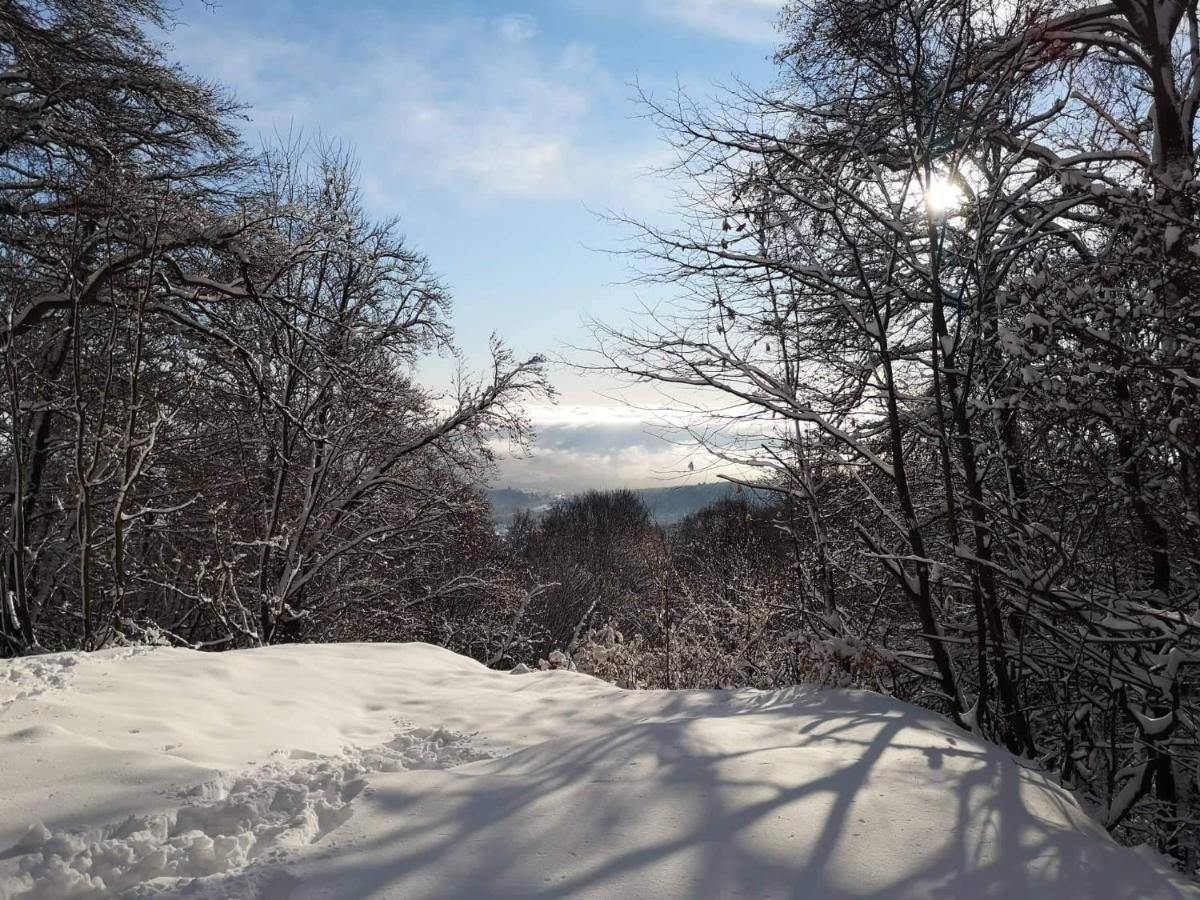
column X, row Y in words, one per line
column 442, row 103
column 602, row 446
column 512, row 131
column 569, row 471
column 578, row 57
column 743, row 21
column 517, row 27
column 748, row 21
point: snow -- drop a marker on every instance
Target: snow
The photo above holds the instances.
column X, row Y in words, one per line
column 288, row 803
column 1154, row 726
column 387, row 771
column 1171, row 236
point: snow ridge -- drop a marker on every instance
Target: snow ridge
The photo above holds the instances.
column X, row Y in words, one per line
column 33, row 676
column 263, row 814
column 29, row 677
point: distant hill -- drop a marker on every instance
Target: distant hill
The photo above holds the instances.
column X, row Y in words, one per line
column 507, row 502
column 668, row 505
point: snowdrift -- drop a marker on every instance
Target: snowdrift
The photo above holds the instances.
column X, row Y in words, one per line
column 389, row 771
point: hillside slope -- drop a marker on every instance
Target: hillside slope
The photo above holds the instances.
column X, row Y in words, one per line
column 406, row 771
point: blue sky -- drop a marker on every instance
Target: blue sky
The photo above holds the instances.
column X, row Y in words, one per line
column 498, row 132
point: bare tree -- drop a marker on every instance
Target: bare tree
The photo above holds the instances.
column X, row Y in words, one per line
column 949, row 258
column 210, row 424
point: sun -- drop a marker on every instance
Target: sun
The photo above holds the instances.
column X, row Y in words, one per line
column 942, row 195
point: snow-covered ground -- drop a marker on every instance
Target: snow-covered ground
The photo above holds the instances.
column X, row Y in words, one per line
column 355, row 771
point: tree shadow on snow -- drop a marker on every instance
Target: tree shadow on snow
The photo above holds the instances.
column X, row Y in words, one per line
column 833, row 795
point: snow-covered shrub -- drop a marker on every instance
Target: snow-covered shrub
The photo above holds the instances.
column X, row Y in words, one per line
column 605, row 653
column 843, row 661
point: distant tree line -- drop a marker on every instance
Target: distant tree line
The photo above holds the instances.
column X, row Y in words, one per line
column 719, row 599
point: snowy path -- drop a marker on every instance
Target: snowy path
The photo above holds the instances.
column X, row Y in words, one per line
column 261, row 816
column 389, row 771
